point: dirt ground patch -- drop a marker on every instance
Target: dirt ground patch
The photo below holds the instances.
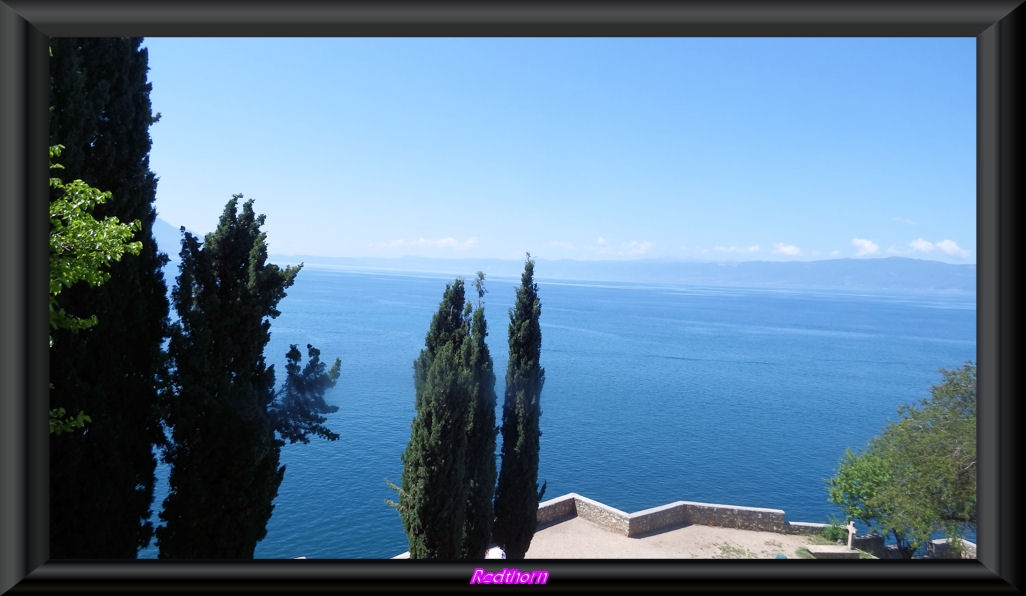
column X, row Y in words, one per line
column 578, row 538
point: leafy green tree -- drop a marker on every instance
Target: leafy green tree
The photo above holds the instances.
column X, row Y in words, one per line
column 481, row 431
column 517, row 494
column 102, row 475
column 918, row 476
column 222, row 407
column 81, row 246
column 860, row 476
column 81, row 250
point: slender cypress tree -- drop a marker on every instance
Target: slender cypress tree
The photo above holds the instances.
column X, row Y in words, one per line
column 222, row 407
column 432, row 499
column 517, row 494
column 102, row 475
column 481, row 435
column 448, row 482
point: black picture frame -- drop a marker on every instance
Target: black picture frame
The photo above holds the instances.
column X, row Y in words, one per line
column 25, row 26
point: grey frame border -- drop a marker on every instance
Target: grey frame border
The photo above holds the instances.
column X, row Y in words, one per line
column 25, row 26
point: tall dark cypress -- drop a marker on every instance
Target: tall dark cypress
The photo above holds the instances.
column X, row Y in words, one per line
column 448, row 482
column 432, row 500
column 102, row 477
column 481, row 432
column 517, row 494
column 224, row 455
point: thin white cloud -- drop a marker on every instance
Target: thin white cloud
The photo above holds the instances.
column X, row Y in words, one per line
column 947, row 246
column 920, row 245
column 950, row 247
column 448, row 242
column 636, row 248
column 904, row 221
column 779, row 248
column 562, row 244
column 738, row 249
column 864, row 247
column 625, row 249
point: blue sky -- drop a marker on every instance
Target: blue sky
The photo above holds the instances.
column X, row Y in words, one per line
column 699, row 149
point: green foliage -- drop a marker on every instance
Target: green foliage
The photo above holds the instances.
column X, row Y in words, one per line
column 859, row 478
column 81, row 251
column 517, row 494
column 834, row 533
column 432, row 499
column 102, row 476
column 481, row 433
column 449, row 463
column 222, row 407
column 81, row 246
column 918, row 476
column 59, row 424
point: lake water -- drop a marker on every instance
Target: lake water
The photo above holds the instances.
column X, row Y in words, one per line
column 653, row 393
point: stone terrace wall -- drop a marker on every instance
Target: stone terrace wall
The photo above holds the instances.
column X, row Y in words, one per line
column 682, row 513
column 727, row 516
column 673, row 514
column 556, row 510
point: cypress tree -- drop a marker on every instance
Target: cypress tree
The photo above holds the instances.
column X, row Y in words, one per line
column 432, row 499
column 517, row 494
column 222, row 409
column 481, row 431
column 102, row 475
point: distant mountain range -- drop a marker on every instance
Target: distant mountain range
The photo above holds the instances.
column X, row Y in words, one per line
column 892, row 273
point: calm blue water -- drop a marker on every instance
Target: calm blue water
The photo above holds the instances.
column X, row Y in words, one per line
column 653, row 394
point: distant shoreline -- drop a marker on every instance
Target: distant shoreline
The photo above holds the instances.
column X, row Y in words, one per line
column 893, row 273
column 877, row 273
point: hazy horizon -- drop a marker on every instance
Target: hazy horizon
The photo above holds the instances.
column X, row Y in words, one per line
column 894, row 273
column 640, row 259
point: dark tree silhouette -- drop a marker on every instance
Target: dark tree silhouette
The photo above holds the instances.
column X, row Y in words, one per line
column 102, row 475
column 222, row 407
column 517, row 494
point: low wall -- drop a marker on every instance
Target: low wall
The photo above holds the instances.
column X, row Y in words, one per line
column 556, row 510
column 872, row 544
column 935, row 549
column 673, row 514
column 681, row 513
column 941, row 549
